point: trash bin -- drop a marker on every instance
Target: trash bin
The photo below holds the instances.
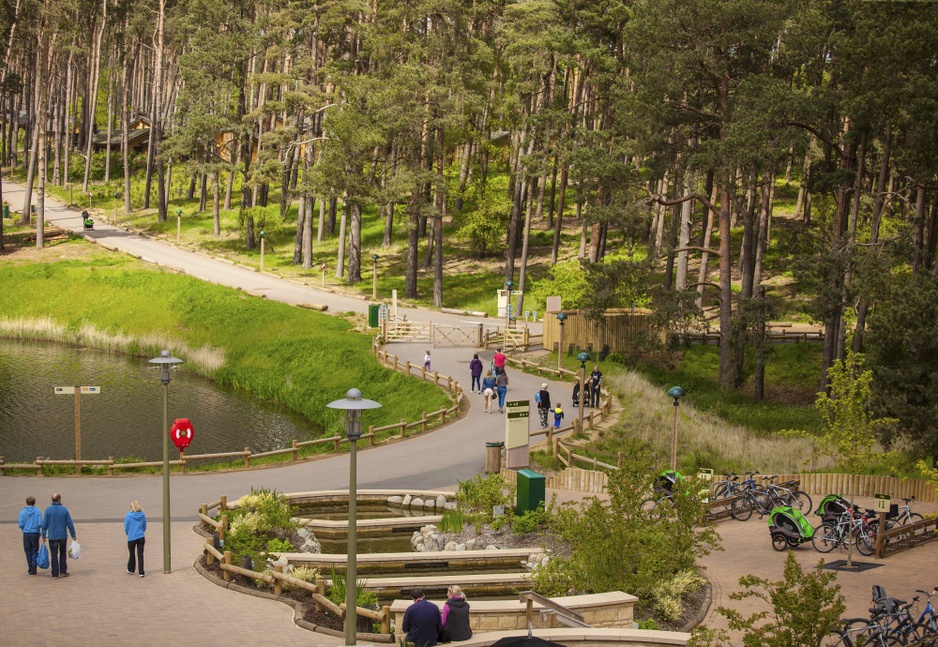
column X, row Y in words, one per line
column 373, row 318
column 6, row 211
column 531, row 490
column 493, row 457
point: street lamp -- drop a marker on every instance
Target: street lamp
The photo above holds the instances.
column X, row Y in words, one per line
column 164, row 361
column 583, row 358
column 508, row 285
column 374, row 277
column 263, row 233
column 677, row 393
column 178, row 225
column 353, row 404
column 562, row 317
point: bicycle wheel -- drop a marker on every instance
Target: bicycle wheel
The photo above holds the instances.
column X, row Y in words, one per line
column 742, row 508
column 835, row 638
column 801, row 501
column 927, row 637
column 649, row 505
column 720, row 492
column 913, row 517
column 866, row 542
column 825, row 538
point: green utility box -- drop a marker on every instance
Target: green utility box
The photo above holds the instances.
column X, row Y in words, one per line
column 373, row 316
column 531, row 490
column 6, row 211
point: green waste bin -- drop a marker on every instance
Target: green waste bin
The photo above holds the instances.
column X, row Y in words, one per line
column 373, row 317
column 531, row 491
column 6, row 211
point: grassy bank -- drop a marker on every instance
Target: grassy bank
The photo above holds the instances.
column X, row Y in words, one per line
column 76, row 293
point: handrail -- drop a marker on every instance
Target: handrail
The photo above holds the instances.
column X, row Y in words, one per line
column 530, row 597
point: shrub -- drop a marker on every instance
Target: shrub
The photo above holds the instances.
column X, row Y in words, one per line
column 529, row 521
column 481, row 494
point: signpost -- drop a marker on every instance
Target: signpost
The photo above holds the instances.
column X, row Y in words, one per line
column 517, row 424
column 882, row 504
column 77, row 391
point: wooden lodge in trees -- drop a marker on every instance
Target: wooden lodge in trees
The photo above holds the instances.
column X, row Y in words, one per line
column 620, row 330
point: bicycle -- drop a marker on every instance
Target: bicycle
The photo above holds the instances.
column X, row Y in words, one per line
column 762, row 500
column 842, row 531
column 798, row 499
column 907, row 516
column 731, row 486
column 926, row 626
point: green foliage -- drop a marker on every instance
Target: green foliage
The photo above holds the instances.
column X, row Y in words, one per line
column 849, row 431
column 452, row 521
column 615, row 283
column 277, row 352
column 529, row 521
column 804, row 608
column 902, row 345
column 261, row 519
column 277, row 545
column 483, row 226
column 363, row 598
column 567, row 279
column 481, row 494
column 617, row 546
column 649, row 624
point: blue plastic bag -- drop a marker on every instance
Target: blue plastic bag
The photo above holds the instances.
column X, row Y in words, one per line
column 42, row 558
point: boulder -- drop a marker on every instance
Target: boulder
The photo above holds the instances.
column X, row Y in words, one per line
column 395, row 500
column 406, row 501
column 416, row 502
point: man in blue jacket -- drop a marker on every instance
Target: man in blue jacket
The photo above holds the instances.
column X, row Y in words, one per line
column 422, row 621
column 56, row 522
column 30, row 523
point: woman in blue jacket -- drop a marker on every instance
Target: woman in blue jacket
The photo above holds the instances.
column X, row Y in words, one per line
column 135, row 525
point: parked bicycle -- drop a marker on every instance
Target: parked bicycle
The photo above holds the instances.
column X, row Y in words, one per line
column 891, row 622
column 848, row 528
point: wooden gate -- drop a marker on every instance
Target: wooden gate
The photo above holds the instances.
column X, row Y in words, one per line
column 408, row 331
column 467, row 336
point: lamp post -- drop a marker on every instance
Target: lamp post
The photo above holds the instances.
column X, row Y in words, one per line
column 561, row 317
column 583, row 358
column 115, row 204
column 178, row 225
column 374, row 277
column 353, row 404
column 164, row 361
column 263, row 234
column 677, row 393
column 508, row 285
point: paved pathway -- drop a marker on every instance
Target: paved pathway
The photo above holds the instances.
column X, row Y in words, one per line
column 102, row 600
column 102, row 605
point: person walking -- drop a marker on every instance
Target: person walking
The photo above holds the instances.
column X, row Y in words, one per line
column 57, row 525
column 501, row 387
column 596, row 381
column 135, row 527
column 456, row 614
column 475, row 370
column 30, row 522
column 488, row 390
column 498, row 361
column 558, row 415
column 543, row 405
column 426, row 362
column 422, row 622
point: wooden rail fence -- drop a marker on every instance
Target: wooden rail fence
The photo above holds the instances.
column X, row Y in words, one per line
column 275, row 578
column 246, row 455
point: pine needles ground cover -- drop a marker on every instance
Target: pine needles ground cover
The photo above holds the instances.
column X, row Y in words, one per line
column 301, row 358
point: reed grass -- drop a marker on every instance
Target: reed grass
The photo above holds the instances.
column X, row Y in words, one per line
column 704, row 440
column 301, row 358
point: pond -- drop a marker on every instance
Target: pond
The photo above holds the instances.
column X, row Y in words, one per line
column 126, row 419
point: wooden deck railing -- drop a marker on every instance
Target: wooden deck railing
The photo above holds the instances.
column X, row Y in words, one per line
column 276, row 578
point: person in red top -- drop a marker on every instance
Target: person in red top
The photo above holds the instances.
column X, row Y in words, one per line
column 499, row 359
